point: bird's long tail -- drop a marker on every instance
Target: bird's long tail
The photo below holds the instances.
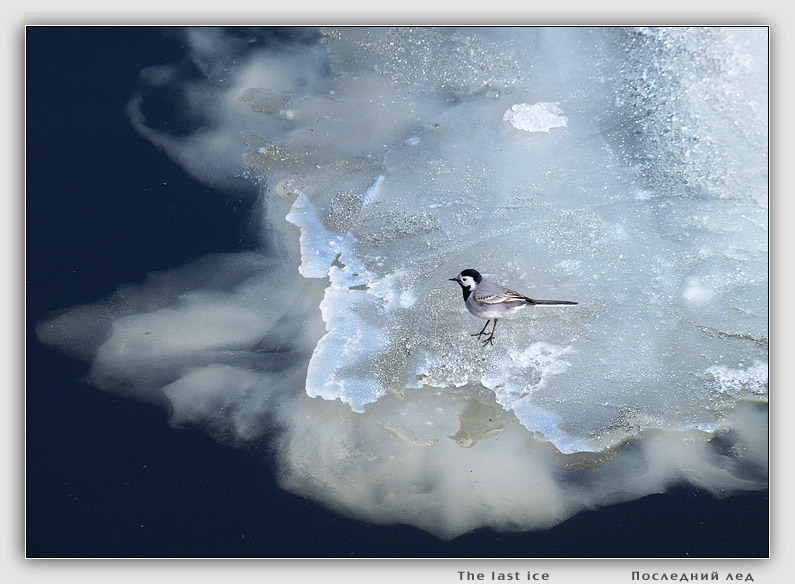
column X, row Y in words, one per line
column 551, row 302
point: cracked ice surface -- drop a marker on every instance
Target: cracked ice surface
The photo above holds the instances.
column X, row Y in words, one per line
column 401, row 180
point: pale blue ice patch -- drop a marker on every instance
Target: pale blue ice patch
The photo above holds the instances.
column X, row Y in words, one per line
column 319, row 246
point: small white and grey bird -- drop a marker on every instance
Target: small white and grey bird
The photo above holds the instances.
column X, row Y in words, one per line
column 489, row 300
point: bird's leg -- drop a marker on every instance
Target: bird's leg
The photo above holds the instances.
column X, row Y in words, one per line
column 490, row 339
column 482, row 332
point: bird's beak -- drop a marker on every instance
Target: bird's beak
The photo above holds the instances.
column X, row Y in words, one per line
column 454, row 279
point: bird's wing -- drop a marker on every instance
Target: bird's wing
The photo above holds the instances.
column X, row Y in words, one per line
column 505, row 296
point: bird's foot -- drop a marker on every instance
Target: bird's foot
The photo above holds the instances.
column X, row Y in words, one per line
column 489, row 340
column 482, row 331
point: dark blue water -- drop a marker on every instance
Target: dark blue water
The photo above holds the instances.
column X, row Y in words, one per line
column 107, row 477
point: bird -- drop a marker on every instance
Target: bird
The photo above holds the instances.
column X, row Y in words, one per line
column 486, row 299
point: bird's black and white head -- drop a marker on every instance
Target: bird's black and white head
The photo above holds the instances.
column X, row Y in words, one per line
column 468, row 280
